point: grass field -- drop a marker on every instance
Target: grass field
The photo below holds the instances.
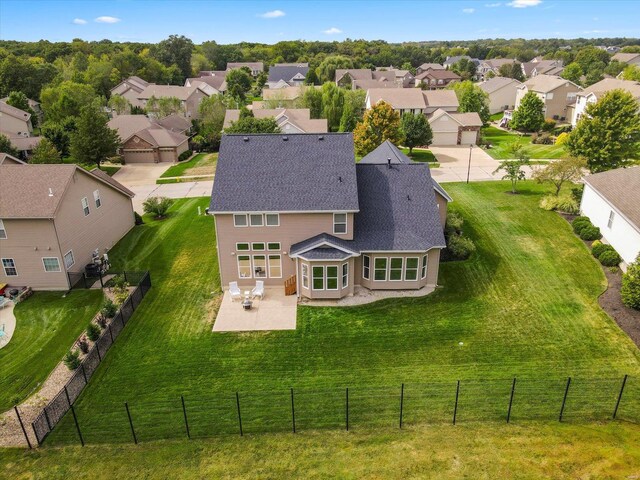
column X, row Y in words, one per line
column 420, row 155
column 47, row 326
column 524, row 305
column 200, row 164
column 501, row 139
column 525, row 452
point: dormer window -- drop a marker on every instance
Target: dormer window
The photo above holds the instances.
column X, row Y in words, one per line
column 339, row 223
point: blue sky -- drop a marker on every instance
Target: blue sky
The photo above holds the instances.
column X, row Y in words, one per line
column 273, row 21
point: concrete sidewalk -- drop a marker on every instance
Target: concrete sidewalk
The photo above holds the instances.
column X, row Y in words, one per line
column 170, row 190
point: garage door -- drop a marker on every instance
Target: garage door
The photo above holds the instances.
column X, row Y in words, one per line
column 445, row 138
column 167, row 156
column 469, row 138
column 138, row 156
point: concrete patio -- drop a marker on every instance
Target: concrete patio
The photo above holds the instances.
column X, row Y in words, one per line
column 275, row 312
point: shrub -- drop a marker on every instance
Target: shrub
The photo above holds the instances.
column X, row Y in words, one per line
column 543, row 139
column 562, row 138
column 630, row 290
column 118, row 281
column 83, row 345
column 454, row 223
column 158, row 206
column 93, row 332
column 121, row 293
column 597, row 247
column 548, row 125
column 579, row 223
column 460, row 248
column 184, row 155
column 109, row 309
column 561, row 204
column 590, row 232
column 102, row 321
column 72, row 359
column 138, row 218
column 576, row 193
column 609, row 258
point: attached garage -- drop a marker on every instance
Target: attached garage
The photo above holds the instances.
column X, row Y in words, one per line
column 445, row 138
column 469, row 137
column 138, row 156
column 168, row 155
column 454, row 128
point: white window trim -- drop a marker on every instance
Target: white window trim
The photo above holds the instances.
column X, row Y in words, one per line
column 97, row 199
column 250, row 265
column 313, row 278
column 417, row 269
column 73, row 258
column 266, row 265
column 265, row 219
column 386, row 269
column 85, row 205
column 4, row 267
column 343, row 275
column 612, row 216
column 3, row 229
column 305, row 267
column 424, row 266
column 346, row 223
column 274, row 250
column 269, row 264
column 363, row 267
column 45, row 266
column 248, row 244
column 256, row 215
column 338, row 278
column 401, row 269
column 240, row 215
column 257, row 249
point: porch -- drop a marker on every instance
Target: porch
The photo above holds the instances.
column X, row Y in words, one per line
column 276, row 311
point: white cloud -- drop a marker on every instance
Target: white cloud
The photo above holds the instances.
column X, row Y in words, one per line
column 332, row 31
column 492, row 5
column 594, row 31
column 524, row 3
column 79, row 21
column 468, row 10
column 272, row 14
column 107, row 19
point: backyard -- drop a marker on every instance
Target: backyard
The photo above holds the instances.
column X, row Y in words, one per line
column 201, row 164
column 524, row 305
column 47, row 326
column 501, row 139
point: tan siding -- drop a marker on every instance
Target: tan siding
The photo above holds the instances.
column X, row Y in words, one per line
column 15, row 126
column 101, row 229
column 328, row 294
column 27, row 242
column 193, row 103
column 431, row 279
column 442, row 207
column 502, row 98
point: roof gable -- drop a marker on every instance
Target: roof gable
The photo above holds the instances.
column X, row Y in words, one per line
column 621, row 189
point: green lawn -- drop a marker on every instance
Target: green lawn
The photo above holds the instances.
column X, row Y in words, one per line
column 500, row 140
column 524, row 305
column 47, row 325
column 531, row 451
column 420, row 155
column 110, row 169
column 200, row 164
column 496, row 117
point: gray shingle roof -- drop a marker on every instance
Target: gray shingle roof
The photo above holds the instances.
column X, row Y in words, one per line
column 286, row 72
column 323, row 253
column 387, row 151
column 323, row 240
column 305, row 172
column 621, row 188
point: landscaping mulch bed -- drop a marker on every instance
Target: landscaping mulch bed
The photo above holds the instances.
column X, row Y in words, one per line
column 627, row 318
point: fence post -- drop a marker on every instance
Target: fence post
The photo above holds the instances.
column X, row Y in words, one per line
column 133, row 308
column 84, row 373
column 186, row 421
column 401, row 403
column 84, row 280
column 110, row 333
column 98, row 349
column 133, row 432
column 35, row 433
column 239, row 416
column 101, row 282
column 564, row 399
column 15, row 407
column 347, row 409
column 124, row 274
column 513, row 389
column 293, row 413
column 624, row 382
column 455, row 408
column 73, row 412
column 46, row 417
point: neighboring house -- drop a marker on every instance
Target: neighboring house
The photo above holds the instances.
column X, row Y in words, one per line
column 34, row 105
column 214, row 84
column 455, row 128
column 54, row 219
column 367, row 84
column 130, row 89
column 593, row 93
column 256, row 67
column 435, row 79
column 557, row 94
column 611, row 200
column 628, row 58
column 450, row 61
column 493, row 65
column 283, row 75
column 14, row 122
column 282, row 97
column 413, row 100
column 145, row 140
column 539, row 66
column 502, row 93
column 212, row 73
column 6, row 159
column 190, row 97
column 25, row 145
column 608, row 49
column 403, row 78
column 299, row 208
column 290, row 120
column 428, row 66
column 346, row 77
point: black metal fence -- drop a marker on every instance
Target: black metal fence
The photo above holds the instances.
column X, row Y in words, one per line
column 304, row 409
column 102, row 280
column 56, row 409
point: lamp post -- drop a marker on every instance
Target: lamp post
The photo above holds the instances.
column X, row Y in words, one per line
column 469, row 167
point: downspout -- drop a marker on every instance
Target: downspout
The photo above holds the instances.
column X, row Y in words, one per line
column 55, row 230
column 297, row 279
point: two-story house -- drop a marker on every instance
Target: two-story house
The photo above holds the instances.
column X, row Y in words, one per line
column 54, row 219
column 283, row 75
column 594, row 92
column 501, row 92
column 130, row 88
column 434, row 79
column 14, row 122
column 299, row 207
column 557, row 94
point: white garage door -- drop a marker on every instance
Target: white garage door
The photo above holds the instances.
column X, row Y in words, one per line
column 445, row 138
column 469, row 138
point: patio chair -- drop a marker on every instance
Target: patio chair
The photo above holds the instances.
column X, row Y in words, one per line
column 258, row 290
column 234, row 290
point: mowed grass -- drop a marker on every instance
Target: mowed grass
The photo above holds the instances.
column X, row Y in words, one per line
column 200, row 164
column 524, row 305
column 419, row 155
column 532, row 451
column 46, row 327
column 500, row 141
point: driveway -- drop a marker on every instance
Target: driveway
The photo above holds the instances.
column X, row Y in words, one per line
column 454, row 165
column 140, row 174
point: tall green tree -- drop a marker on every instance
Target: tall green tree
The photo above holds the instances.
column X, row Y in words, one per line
column 45, row 152
column 529, row 116
column 573, row 73
column 472, row 99
column 608, row 134
column 164, row 106
column 93, row 141
column 380, row 123
column 239, row 83
column 632, row 72
column 175, row 50
column 119, row 104
column 7, row 147
column 254, row 125
column 332, row 105
column 20, row 100
column 65, row 100
column 465, row 68
column 511, row 70
column 416, row 130
column 354, row 105
column 312, row 99
column 60, row 134
column 326, row 71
